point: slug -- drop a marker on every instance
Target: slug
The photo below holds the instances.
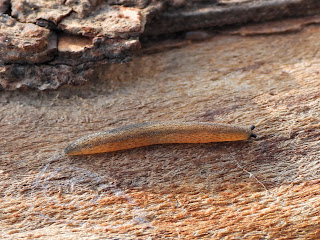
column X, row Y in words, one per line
column 144, row 134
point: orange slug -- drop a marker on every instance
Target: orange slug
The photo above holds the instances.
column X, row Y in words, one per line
column 144, row 134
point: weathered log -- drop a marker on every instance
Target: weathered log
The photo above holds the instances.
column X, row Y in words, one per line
column 47, row 44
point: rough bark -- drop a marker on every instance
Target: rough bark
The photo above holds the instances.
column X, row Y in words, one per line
column 207, row 15
column 47, row 44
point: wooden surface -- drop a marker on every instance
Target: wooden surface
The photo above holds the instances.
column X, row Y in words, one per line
column 47, row 44
column 265, row 188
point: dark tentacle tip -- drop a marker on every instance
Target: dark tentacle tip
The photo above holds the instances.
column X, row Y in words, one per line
column 253, row 135
column 252, row 127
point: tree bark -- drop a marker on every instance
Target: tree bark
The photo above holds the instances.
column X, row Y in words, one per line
column 47, row 44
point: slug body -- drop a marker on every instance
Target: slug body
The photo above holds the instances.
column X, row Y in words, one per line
column 138, row 135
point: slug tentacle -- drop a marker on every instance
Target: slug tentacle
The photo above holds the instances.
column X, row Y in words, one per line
column 144, row 134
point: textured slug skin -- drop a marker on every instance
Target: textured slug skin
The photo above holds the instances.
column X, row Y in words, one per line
column 138, row 135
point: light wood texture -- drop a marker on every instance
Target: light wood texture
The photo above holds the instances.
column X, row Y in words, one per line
column 267, row 189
